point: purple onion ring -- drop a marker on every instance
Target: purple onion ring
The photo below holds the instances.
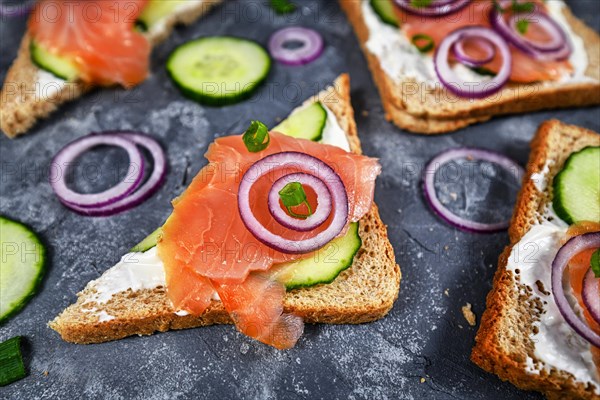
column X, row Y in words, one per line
column 310, row 165
column 60, row 165
column 455, row 84
column 437, row 8
column 320, row 215
column 465, row 152
column 311, row 45
column 461, row 53
column 591, row 294
column 573, row 247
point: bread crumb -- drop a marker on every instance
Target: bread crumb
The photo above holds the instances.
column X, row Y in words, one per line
column 469, row 314
column 422, row 380
column 365, row 113
column 447, row 292
column 454, row 196
column 45, row 373
column 446, row 247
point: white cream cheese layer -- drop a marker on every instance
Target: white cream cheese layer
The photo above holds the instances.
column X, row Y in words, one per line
column 48, row 86
column 400, row 59
column 556, row 344
column 138, row 271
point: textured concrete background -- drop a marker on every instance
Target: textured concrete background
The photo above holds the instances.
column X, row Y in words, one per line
column 424, row 336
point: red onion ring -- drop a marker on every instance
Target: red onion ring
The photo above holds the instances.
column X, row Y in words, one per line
column 320, row 215
column 465, row 152
column 69, row 153
column 312, row 45
column 16, row 8
column 461, row 54
column 472, row 90
column 559, row 48
column 312, row 166
column 591, row 294
column 574, row 246
column 437, row 8
column 154, row 182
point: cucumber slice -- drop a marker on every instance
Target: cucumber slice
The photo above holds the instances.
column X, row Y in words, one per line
column 307, row 123
column 22, row 266
column 385, row 10
column 60, row 67
column 219, row 70
column 577, row 187
column 155, row 10
column 149, row 242
column 325, row 265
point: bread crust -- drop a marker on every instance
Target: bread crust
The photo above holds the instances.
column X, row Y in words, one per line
column 24, row 101
column 415, row 107
column 501, row 345
column 362, row 293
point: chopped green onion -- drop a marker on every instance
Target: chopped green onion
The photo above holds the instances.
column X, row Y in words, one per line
column 420, row 3
column 293, row 195
column 11, row 361
column 424, row 47
column 256, row 138
column 595, row 263
column 522, row 7
column 522, row 26
column 283, row 6
column 498, row 7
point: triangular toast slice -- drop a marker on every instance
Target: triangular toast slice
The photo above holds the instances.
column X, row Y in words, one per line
column 364, row 292
column 30, row 94
column 505, row 343
column 418, row 108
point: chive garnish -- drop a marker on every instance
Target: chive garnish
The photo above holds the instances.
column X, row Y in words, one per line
column 522, row 26
column 293, row 195
column 423, row 47
column 595, row 263
column 256, row 138
column 11, row 361
column 283, row 6
column 522, row 7
column 420, row 3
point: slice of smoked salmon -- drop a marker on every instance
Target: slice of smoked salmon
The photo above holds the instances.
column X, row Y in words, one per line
column 525, row 69
column 98, row 36
column 578, row 267
column 205, row 246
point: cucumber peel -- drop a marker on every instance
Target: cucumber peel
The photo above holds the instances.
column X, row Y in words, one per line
column 155, row 10
column 22, row 266
column 306, row 123
column 148, row 242
column 577, row 187
column 385, row 10
column 61, row 67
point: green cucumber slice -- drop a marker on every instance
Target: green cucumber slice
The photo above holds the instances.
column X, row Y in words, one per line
column 306, row 123
column 155, row 10
column 577, row 187
column 385, row 10
column 22, row 266
column 325, row 265
column 11, row 362
column 219, row 70
column 148, row 242
column 60, row 67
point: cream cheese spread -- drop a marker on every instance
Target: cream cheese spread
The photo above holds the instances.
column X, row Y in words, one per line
column 556, row 344
column 400, row 59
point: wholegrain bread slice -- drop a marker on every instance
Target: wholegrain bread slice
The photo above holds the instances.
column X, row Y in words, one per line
column 362, row 293
column 504, row 340
column 414, row 106
column 25, row 98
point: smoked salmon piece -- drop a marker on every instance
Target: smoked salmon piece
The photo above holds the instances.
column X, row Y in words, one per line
column 525, row 69
column 99, row 37
column 205, row 246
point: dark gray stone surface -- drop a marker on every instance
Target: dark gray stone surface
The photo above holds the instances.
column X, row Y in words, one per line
column 424, row 336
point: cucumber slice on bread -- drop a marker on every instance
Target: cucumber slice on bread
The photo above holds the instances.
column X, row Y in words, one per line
column 148, row 242
column 385, row 10
column 155, row 10
column 219, row 70
column 58, row 66
column 577, row 187
column 22, row 266
column 325, row 264
column 306, row 123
